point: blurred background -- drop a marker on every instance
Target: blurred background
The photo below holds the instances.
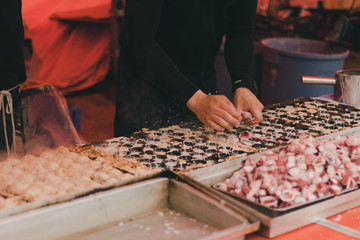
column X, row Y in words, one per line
column 73, row 46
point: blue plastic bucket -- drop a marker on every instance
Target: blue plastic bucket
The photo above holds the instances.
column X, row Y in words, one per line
column 285, row 60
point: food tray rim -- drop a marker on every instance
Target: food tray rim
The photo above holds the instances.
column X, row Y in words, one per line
column 285, row 209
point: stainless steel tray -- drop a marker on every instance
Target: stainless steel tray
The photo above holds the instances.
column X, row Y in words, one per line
column 159, row 208
column 279, row 211
column 274, row 223
column 282, row 222
column 72, row 195
column 354, row 132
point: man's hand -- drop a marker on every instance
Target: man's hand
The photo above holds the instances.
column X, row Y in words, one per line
column 215, row 111
column 246, row 101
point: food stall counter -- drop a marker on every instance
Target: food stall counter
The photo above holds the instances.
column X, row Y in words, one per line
column 312, row 231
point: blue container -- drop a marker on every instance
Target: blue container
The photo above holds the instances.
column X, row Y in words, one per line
column 285, row 60
column 75, row 114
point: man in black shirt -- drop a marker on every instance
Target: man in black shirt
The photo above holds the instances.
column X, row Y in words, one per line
column 12, row 66
column 168, row 62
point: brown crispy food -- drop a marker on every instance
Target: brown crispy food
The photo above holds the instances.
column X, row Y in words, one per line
column 123, row 164
column 5, row 194
column 13, row 200
column 88, row 150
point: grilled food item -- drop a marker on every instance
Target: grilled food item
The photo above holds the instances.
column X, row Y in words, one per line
column 192, row 145
column 175, row 148
column 61, row 171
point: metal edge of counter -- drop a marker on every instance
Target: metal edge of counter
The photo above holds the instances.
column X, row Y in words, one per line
column 79, row 215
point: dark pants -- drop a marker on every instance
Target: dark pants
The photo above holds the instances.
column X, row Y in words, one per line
column 16, row 110
column 140, row 105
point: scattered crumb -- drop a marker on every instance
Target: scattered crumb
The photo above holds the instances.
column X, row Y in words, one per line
column 338, row 218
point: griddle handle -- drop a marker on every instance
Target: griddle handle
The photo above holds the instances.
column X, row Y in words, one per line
column 318, row 80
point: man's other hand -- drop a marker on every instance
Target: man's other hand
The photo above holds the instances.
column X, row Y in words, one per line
column 246, row 101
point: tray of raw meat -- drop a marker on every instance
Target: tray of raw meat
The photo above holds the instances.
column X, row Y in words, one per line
column 304, row 172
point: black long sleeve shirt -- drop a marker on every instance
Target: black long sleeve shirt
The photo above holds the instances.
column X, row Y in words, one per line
column 12, row 66
column 168, row 40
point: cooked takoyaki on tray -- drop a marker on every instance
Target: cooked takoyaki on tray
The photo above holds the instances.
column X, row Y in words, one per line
column 31, row 181
column 192, row 145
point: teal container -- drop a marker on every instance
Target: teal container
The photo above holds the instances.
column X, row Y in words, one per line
column 285, row 60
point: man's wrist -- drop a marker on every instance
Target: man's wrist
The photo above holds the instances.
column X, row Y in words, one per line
column 249, row 84
column 192, row 101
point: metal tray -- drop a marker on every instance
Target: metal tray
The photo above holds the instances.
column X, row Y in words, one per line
column 274, row 223
column 159, row 208
column 354, row 132
column 276, row 211
column 302, row 99
column 72, row 195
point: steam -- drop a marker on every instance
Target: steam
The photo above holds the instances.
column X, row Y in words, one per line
column 50, row 125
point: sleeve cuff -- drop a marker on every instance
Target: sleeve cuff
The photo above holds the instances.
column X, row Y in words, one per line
column 250, row 84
